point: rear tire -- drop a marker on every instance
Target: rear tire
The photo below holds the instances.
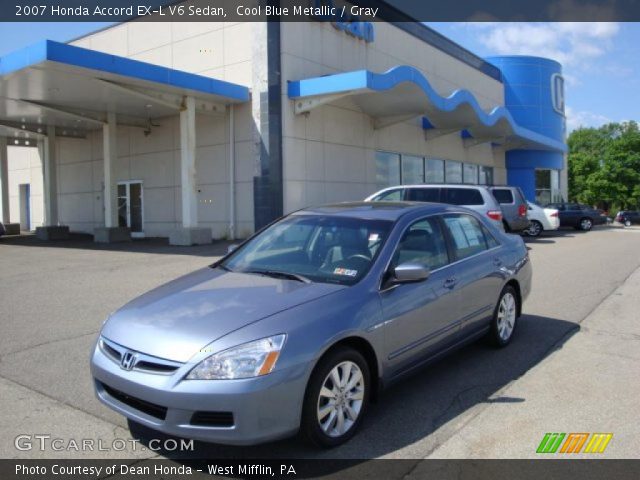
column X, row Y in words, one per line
column 336, row 399
column 535, row 229
column 627, row 223
column 505, row 317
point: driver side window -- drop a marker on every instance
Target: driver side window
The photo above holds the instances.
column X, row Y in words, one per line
column 423, row 242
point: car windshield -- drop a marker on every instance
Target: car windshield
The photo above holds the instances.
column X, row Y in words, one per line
column 314, row 248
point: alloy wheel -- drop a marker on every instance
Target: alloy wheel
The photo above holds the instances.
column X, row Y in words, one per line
column 534, row 229
column 341, row 399
column 585, row 224
column 506, row 316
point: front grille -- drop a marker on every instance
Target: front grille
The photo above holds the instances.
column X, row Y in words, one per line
column 142, row 362
column 155, row 367
column 156, row 411
column 212, row 419
column 112, row 352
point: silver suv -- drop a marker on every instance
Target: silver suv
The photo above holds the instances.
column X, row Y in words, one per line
column 514, row 207
column 475, row 197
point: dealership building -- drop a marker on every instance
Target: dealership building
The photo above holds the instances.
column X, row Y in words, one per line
column 205, row 130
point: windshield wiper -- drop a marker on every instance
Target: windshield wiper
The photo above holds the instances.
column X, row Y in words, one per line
column 277, row 274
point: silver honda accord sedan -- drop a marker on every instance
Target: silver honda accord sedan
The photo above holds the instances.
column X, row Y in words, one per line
column 298, row 328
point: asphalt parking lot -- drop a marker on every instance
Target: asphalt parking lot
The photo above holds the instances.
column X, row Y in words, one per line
column 575, row 353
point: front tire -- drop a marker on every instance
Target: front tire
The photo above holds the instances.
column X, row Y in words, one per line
column 504, row 319
column 336, row 398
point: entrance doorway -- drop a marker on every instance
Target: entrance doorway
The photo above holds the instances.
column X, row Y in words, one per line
column 130, row 207
column 25, row 206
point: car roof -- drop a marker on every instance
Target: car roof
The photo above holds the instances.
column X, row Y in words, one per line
column 437, row 185
column 376, row 210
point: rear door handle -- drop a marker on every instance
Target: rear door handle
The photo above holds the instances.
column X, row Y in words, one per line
column 497, row 262
column 450, row 282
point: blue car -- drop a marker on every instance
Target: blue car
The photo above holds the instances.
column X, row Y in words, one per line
column 299, row 327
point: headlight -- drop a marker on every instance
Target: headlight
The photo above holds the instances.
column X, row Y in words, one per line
column 244, row 361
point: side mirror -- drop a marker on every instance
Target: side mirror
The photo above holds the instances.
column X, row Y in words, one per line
column 410, row 272
column 232, row 247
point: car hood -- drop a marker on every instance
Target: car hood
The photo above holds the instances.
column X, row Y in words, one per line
column 176, row 320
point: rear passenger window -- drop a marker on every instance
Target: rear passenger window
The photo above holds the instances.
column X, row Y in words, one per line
column 423, row 194
column 466, row 232
column 491, row 240
column 390, row 196
column 424, row 243
column 462, row 196
column 503, row 195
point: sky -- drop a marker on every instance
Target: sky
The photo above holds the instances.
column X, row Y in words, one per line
column 601, row 61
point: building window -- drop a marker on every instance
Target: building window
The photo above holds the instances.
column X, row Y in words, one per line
column 547, row 186
column 470, row 173
column 453, row 172
column 412, row 170
column 485, row 176
column 387, row 169
column 434, row 171
column 399, row 169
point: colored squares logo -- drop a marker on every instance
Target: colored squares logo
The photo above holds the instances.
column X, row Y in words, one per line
column 574, row 442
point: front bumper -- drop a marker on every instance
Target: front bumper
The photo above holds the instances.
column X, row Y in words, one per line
column 261, row 409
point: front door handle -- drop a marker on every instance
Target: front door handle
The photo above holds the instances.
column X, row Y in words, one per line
column 450, row 282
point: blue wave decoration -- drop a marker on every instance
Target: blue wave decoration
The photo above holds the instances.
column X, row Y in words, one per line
column 360, row 81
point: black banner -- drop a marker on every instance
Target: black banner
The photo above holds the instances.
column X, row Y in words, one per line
column 326, row 468
column 328, row 10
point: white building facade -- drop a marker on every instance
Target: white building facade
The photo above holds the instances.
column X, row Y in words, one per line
column 303, row 114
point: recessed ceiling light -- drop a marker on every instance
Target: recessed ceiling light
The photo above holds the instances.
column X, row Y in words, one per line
column 148, row 105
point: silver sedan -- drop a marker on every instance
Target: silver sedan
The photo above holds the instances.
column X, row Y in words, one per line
column 298, row 328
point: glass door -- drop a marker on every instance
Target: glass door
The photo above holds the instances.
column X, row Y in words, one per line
column 130, row 207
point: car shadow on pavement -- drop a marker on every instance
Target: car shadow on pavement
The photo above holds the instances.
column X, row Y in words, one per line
column 154, row 245
column 538, row 240
column 412, row 410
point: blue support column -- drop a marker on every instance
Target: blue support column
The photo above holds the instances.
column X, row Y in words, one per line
column 534, row 95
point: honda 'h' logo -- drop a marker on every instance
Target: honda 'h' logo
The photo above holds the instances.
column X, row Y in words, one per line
column 128, row 360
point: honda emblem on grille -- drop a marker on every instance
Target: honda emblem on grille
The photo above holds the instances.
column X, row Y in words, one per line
column 128, row 360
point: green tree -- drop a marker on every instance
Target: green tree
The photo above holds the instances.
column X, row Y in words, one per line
column 604, row 165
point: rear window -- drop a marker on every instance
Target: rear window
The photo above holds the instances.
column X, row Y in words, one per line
column 462, row 196
column 423, row 194
column 503, row 195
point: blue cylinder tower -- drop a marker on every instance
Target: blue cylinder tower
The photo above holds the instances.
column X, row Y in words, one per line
column 534, row 95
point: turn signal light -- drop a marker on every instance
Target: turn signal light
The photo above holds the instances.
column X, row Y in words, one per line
column 554, row 214
column 495, row 215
